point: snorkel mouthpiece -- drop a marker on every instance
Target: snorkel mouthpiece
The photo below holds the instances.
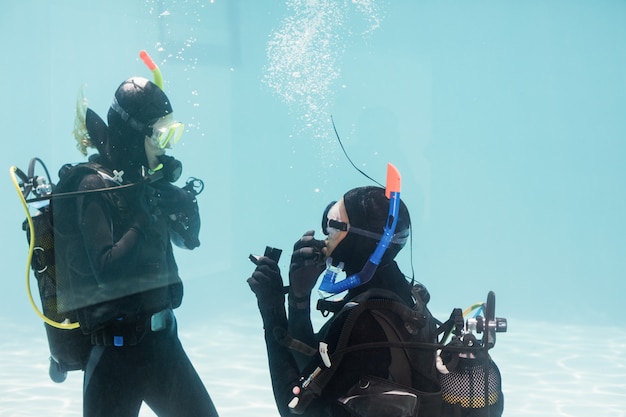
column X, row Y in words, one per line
column 156, row 72
column 392, row 191
column 329, row 281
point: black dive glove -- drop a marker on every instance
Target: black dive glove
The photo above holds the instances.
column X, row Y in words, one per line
column 172, row 199
column 267, row 285
column 181, row 206
column 307, row 263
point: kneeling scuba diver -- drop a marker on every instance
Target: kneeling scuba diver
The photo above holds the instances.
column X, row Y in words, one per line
column 377, row 354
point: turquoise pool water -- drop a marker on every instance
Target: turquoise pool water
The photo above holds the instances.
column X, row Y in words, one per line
column 506, row 120
column 546, row 371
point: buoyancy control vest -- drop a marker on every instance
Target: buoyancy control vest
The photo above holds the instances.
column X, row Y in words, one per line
column 69, row 347
column 59, row 261
column 147, row 283
column 411, row 388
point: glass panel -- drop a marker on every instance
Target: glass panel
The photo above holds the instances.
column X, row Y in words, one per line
column 506, row 121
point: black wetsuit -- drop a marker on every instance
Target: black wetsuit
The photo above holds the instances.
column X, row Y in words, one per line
column 287, row 366
column 124, row 282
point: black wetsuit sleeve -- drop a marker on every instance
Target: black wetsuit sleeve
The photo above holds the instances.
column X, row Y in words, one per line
column 300, row 328
column 283, row 369
column 107, row 254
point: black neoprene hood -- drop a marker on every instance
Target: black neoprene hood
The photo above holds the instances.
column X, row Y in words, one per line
column 368, row 209
column 137, row 104
column 140, row 102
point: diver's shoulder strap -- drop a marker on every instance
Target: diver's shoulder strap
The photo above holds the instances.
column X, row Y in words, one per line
column 63, row 202
column 70, row 175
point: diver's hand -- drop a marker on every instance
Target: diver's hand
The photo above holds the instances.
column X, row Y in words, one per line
column 174, row 200
column 307, row 263
column 267, row 285
column 185, row 230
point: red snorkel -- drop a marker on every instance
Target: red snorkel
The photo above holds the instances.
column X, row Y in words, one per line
column 156, row 72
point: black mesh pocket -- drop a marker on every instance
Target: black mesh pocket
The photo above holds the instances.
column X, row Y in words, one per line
column 68, row 348
column 43, row 263
column 464, row 389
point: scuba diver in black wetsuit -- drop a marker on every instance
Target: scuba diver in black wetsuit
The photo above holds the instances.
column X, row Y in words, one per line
column 375, row 381
column 115, row 261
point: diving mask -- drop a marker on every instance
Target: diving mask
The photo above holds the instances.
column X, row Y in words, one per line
column 332, row 223
column 166, row 132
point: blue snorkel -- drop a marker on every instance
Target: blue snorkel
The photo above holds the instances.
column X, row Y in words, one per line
column 392, row 191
